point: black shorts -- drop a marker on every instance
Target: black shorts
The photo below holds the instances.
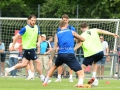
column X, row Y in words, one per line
column 30, row 54
column 93, row 59
column 69, row 59
column 2, row 56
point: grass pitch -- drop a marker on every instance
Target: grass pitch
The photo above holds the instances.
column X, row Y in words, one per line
column 22, row 84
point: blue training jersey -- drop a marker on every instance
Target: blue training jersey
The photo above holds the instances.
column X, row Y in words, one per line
column 65, row 41
column 69, row 27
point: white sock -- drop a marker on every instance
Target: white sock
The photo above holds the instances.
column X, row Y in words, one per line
column 42, row 76
column 80, row 82
column 94, row 74
column 70, row 76
column 11, row 69
column 46, row 79
column 59, row 76
column 29, row 72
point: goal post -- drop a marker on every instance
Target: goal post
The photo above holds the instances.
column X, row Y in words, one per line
column 49, row 27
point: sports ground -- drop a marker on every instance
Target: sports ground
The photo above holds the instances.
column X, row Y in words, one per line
column 22, row 84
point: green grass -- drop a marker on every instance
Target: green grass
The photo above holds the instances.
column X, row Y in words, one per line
column 22, row 84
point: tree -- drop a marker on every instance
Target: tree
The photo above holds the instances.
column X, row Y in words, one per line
column 55, row 8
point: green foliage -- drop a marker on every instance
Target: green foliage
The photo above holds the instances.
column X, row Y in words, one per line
column 55, row 8
column 22, row 84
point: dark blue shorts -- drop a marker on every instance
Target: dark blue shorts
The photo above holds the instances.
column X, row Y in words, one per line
column 3, row 56
column 30, row 54
column 69, row 59
column 93, row 59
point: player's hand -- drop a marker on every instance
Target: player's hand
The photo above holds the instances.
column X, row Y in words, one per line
column 116, row 35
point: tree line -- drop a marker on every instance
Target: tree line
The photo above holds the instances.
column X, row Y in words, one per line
column 55, row 8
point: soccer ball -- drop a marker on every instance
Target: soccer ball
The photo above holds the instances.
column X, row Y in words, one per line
column 116, row 76
column 95, row 83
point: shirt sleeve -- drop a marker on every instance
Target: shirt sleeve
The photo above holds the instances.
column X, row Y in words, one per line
column 73, row 29
column 22, row 31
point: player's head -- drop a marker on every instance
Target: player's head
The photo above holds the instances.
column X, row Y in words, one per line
column 84, row 26
column 101, row 38
column 32, row 20
column 63, row 24
column 65, row 17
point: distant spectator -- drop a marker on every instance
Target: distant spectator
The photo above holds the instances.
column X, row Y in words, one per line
column 13, row 58
column 44, row 49
column 101, row 63
column 2, row 56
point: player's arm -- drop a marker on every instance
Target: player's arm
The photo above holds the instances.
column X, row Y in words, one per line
column 107, row 32
column 78, row 45
column 78, row 37
column 54, row 48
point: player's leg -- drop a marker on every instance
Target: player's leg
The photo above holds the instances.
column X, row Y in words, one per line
column 30, row 70
column 71, row 61
column 46, row 65
column 58, row 63
column 96, row 57
column 60, row 70
column 70, row 73
column 17, row 66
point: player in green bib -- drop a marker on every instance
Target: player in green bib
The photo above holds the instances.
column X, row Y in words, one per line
column 92, row 48
column 30, row 33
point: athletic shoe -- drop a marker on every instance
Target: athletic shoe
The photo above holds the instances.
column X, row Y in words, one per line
column 71, row 80
column 49, row 81
column 6, row 72
column 30, row 77
column 44, row 84
column 42, row 79
column 91, row 80
column 58, row 80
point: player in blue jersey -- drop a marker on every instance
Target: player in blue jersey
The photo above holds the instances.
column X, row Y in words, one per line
column 60, row 68
column 64, row 39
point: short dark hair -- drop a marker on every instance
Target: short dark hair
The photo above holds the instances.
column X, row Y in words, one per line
column 83, row 25
column 62, row 23
column 65, row 16
column 31, row 16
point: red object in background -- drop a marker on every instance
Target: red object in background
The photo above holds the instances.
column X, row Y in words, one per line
column 19, row 40
column 88, row 69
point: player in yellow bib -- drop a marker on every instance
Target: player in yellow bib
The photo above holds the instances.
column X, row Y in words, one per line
column 92, row 47
column 30, row 33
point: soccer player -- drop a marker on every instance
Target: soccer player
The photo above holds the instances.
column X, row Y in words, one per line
column 29, row 34
column 64, row 39
column 92, row 47
column 65, row 18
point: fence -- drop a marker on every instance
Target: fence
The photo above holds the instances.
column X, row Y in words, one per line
column 48, row 26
